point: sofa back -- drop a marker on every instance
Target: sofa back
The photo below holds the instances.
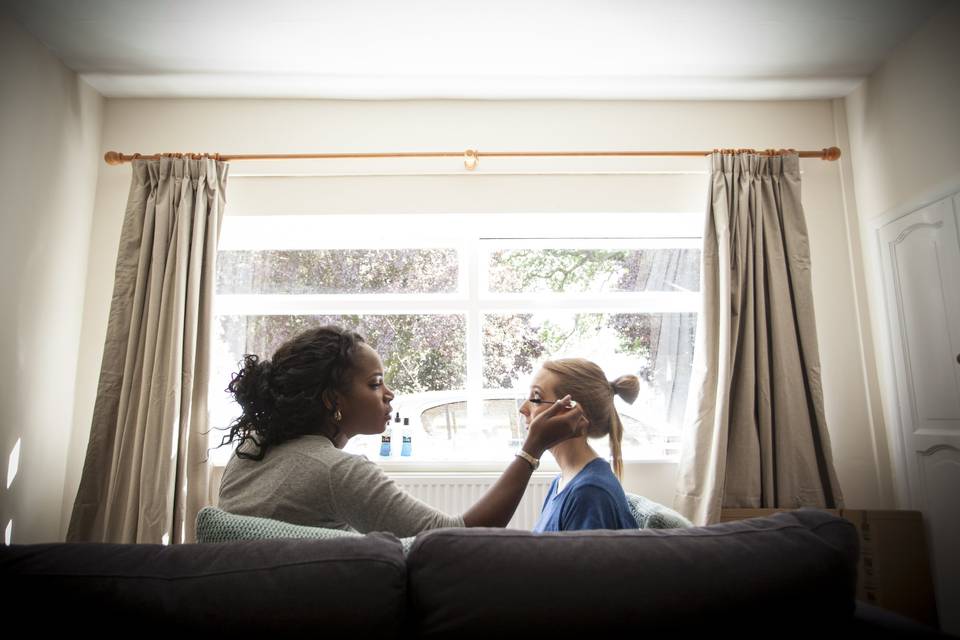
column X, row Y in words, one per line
column 346, row 587
column 792, row 570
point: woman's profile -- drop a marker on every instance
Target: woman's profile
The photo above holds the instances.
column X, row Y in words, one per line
column 587, row 494
column 303, row 405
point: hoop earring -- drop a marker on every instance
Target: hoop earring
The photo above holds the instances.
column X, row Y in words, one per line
column 337, row 416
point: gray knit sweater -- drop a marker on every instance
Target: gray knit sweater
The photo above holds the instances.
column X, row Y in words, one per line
column 308, row 481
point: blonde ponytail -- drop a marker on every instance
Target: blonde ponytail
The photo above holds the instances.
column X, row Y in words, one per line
column 616, row 438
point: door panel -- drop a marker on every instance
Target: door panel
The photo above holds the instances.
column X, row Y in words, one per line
column 920, row 254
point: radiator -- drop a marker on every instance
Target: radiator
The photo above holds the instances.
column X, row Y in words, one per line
column 454, row 493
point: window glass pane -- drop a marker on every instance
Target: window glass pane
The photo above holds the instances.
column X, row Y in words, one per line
column 594, row 270
column 337, row 271
column 420, row 352
column 445, row 420
column 658, row 348
column 505, row 416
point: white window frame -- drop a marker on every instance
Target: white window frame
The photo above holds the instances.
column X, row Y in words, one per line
column 473, row 236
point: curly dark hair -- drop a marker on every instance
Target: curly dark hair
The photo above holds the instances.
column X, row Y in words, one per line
column 282, row 398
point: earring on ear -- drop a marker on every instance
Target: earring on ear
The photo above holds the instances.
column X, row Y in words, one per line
column 337, row 416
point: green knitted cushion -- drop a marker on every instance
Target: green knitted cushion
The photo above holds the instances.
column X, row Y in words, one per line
column 216, row 525
column 652, row 515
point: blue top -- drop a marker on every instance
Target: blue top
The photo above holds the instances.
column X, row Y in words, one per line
column 593, row 499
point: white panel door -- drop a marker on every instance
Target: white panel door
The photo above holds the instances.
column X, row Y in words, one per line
column 920, row 252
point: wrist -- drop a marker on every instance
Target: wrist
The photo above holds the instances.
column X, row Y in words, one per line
column 533, row 449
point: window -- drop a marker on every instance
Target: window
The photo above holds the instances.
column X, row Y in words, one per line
column 463, row 307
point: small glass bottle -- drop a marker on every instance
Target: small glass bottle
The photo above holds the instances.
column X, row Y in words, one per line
column 407, row 447
column 385, row 444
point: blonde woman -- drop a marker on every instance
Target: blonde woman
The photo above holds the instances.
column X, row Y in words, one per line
column 587, row 494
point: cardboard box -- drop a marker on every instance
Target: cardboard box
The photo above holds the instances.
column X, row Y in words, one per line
column 894, row 568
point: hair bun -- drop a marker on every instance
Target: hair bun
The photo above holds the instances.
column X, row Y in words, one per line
column 265, row 369
column 251, row 385
column 627, row 387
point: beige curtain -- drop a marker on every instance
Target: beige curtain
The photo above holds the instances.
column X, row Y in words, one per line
column 145, row 476
column 754, row 433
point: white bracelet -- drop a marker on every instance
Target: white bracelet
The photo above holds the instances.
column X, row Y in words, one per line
column 534, row 462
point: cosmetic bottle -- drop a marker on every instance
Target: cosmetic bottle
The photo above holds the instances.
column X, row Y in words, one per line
column 405, row 450
column 385, row 445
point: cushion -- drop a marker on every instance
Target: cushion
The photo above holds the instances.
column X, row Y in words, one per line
column 653, row 515
column 216, row 525
column 352, row 587
column 792, row 570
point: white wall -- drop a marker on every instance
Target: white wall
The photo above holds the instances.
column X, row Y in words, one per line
column 50, row 131
column 285, row 126
column 904, row 131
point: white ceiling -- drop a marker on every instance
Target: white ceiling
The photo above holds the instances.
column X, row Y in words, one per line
column 484, row 49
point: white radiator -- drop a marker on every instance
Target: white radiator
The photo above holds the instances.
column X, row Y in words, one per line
column 454, row 493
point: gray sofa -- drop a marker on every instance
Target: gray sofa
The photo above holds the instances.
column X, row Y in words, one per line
column 789, row 575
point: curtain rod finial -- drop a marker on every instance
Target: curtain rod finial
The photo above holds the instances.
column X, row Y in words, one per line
column 833, row 153
column 113, row 157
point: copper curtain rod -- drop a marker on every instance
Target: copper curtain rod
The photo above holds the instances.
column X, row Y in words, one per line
column 470, row 157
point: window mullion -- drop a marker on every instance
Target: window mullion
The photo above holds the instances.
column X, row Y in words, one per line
column 474, row 320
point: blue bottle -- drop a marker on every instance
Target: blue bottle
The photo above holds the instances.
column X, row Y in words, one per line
column 385, row 446
column 385, row 439
column 405, row 450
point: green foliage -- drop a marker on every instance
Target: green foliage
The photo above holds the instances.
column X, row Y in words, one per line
column 337, row 271
column 510, row 347
column 555, row 269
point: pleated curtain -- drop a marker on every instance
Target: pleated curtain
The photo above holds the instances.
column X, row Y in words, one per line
column 145, row 475
column 755, row 433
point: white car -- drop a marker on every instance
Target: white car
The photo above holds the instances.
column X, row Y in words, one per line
column 440, row 426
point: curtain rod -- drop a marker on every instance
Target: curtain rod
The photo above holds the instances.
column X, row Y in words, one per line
column 471, row 157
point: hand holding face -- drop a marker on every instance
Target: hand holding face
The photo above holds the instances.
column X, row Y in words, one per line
column 564, row 419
